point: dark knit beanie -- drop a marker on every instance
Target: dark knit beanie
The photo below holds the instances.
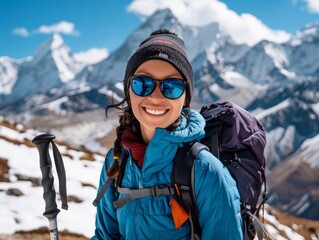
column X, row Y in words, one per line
column 163, row 45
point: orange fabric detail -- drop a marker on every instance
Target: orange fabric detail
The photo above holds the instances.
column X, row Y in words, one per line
column 179, row 214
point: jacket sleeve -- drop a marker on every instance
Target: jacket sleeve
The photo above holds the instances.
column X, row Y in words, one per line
column 218, row 199
column 106, row 224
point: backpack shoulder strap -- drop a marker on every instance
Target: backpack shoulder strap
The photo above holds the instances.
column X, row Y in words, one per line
column 183, row 179
column 197, row 147
column 122, row 164
column 107, row 184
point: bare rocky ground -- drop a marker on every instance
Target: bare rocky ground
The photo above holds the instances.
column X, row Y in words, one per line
column 41, row 234
column 306, row 228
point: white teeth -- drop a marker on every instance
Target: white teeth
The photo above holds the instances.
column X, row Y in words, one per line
column 155, row 112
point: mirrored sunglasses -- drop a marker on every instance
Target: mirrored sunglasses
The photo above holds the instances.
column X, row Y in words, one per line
column 171, row 88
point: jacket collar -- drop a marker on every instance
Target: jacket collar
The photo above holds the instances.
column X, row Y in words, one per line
column 163, row 146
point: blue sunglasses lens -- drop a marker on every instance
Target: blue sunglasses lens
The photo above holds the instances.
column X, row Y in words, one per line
column 171, row 88
column 143, row 86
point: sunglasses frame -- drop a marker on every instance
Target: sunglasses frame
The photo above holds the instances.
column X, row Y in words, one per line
column 158, row 83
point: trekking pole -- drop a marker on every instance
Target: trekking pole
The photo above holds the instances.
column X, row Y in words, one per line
column 42, row 143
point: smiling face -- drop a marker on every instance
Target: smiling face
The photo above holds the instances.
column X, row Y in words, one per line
column 156, row 111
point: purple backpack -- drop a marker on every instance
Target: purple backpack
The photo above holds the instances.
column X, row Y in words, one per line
column 238, row 140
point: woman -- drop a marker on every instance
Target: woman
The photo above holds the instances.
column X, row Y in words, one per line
column 156, row 120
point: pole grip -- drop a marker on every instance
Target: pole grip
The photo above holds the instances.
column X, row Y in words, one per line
column 42, row 142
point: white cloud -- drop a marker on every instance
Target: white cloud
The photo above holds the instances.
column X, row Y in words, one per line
column 244, row 28
column 92, row 56
column 21, row 32
column 312, row 5
column 64, row 27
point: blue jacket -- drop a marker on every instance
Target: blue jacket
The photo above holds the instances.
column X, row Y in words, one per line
column 150, row 217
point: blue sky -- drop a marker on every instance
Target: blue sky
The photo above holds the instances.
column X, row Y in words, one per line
column 84, row 24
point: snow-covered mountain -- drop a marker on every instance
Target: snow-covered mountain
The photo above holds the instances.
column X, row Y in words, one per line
column 304, row 52
column 23, row 205
column 51, row 66
column 291, row 118
column 295, row 182
column 264, row 64
column 290, row 115
column 262, row 61
column 278, row 82
column 113, row 68
column 8, row 75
